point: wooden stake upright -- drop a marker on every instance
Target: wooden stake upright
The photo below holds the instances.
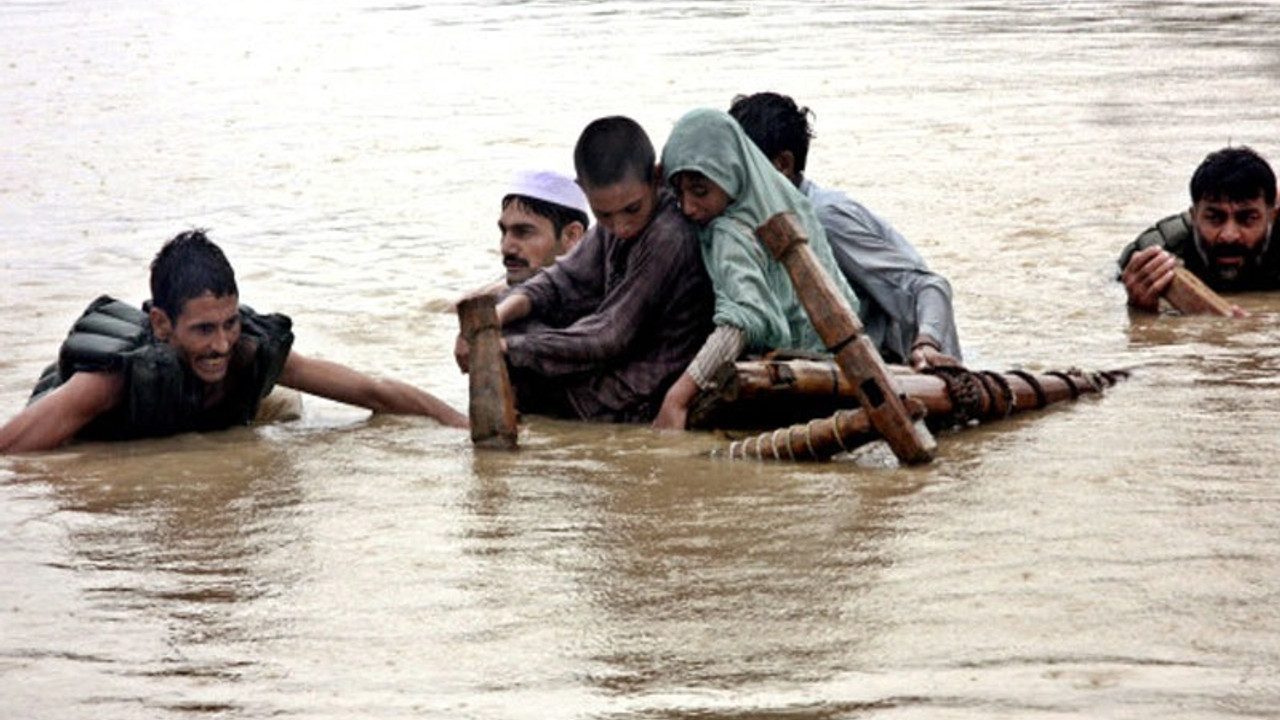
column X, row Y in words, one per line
column 492, row 405
column 842, row 333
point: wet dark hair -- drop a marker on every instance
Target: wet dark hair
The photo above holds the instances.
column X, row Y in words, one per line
column 1234, row 174
column 559, row 215
column 611, row 150
column 775, row 124
column 187, row 267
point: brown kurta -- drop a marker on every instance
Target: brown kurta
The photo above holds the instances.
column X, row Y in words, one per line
column 622, row 321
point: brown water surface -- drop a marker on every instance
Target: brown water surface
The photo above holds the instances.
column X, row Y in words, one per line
column 1115, row 558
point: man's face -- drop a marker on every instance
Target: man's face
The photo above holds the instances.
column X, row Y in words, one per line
column 204, row 334
column 624, row 208
column 1231, row 235
column 529, row 242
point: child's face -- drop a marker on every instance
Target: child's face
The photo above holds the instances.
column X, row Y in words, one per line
column 701, row 200
column 623, row 208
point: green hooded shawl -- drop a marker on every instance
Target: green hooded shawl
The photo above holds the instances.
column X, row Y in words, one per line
column 753, row 291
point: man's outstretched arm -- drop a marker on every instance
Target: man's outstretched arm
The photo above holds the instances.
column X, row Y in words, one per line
column 55, row 418
column 384, row 395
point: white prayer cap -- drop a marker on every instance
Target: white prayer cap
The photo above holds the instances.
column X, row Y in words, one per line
column 551, row 187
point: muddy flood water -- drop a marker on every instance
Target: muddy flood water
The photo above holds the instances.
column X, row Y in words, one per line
column 1116, row 557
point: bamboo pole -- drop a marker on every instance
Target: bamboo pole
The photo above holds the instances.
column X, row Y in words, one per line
column 818, row 439
column 754, row 394
column 1190, row 296
column 793, row 381
column 953, row 397
column 492, row 403
column 841, row 331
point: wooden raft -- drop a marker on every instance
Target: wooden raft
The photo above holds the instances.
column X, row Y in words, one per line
column 945, row 398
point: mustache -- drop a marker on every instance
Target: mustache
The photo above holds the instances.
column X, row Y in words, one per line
column 1229, row 250
column 514, row 260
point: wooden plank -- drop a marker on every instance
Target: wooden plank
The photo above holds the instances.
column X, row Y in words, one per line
column 1190, row 296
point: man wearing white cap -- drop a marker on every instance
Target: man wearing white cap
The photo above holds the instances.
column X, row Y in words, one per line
column 544, row 214
column 603, row 332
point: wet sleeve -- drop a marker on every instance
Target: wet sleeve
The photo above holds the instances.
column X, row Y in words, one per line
column 612, row 327
column 877, row 258
column 736, row 262
column 724, row 345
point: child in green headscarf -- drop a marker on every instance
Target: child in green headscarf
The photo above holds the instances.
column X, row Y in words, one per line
column 727, row 186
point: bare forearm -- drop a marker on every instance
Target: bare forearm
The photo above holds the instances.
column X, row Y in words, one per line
column 400, row 398
column 26, row 432
column 674, row 413
column 56, row 417
column 339, row 382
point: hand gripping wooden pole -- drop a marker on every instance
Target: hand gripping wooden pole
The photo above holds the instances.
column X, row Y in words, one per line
column 492, row 404
column 841, row 331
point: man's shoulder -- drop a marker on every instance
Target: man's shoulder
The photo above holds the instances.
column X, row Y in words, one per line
column 269, row 337
column 108, row 316
column 822, row 196
column 845, row 218
column 105, row 332
column 830, row 202
column 1173, row 233
column 268, row 323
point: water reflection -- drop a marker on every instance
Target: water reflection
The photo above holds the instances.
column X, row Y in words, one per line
column 172, row 548
column 688, row 572
column 743, row 577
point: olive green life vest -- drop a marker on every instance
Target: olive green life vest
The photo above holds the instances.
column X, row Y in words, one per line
column 1172, row 233
column 1177, row 235
column 161, row 395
